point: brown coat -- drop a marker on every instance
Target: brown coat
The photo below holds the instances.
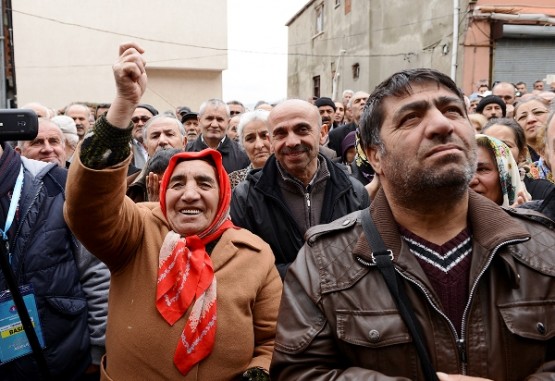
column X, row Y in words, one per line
column 338, row 320
column 140, row 345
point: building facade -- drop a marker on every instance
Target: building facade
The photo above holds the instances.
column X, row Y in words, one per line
column 355, row 44
column 64, row 49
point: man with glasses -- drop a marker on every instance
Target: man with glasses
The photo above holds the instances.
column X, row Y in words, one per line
column 141, row 116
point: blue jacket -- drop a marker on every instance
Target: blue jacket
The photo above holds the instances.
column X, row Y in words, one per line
column 43, row 254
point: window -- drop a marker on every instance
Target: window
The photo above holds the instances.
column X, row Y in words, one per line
column 320, row 19
column 356, row 70
column 316, row 86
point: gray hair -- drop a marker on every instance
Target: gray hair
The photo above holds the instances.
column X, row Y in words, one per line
column 249, row 117
column 180, row 127
column 217, row 103
column 80, row 105
column 21, row 143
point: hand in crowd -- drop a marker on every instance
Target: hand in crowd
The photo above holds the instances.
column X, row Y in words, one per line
column 521, row 198
column 131, row 79
column 153, row 187
column 373, row 187
column 458, row 377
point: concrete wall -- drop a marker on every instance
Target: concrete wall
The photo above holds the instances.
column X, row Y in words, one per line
column 382, row 36
column 64, row 49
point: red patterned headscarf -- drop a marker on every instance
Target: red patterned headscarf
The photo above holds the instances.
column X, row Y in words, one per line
column 185, row 273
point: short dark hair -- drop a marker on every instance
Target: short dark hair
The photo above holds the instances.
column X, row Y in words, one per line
column 160, row 160
column 399, row 84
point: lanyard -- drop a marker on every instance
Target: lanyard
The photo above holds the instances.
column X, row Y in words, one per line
column 13, row 204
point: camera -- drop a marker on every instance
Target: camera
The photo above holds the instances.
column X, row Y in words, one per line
column 18, row 124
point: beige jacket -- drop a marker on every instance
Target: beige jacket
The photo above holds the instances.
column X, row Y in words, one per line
column 140, row 345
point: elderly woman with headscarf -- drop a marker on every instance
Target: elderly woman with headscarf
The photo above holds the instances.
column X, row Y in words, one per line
column 192, row 297
column 497, row 176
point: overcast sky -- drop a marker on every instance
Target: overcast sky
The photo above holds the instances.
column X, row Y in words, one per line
column 257, row 43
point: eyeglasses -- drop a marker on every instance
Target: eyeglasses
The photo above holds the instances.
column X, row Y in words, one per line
column 142, row 118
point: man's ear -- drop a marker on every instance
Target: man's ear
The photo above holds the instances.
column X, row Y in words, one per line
column 18, row 149
column 323, row 133
column 374, row 156
column 184, row 141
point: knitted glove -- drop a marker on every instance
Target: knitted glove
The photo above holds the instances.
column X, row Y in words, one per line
column 105, row 145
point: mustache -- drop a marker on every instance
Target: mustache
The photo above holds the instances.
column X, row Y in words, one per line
column 296, row 149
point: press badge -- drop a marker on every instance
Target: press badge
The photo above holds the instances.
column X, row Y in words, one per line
column 13, row 340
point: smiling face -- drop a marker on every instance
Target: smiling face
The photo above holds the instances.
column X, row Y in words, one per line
column 295, row 137
column 213, row 124
column 192, row 197
column 486, row 179
column 427, row 144
column 48, row 146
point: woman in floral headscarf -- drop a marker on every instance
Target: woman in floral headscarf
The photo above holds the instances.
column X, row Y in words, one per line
column 497, row 176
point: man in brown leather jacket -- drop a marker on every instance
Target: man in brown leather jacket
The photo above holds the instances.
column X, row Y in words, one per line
column 481, row 280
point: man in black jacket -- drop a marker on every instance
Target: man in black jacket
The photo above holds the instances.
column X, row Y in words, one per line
column 336, row 136
column 297, row 188
column 213, row 119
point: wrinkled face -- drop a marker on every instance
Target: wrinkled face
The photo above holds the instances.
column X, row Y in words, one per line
column 486, row 180
column 80, row 115
column 507, row 136
column 192, row 197
column 192, row 129
column 358, row 103
column 346, row 98
column 48, row 146
column 532, row 116
column 492, row 110
column 213, row 123
column 232, row 128
column 162, row 134
column 295, row 136
column 339, row 112
column 139, row 119
column 505, row 92
column 256, row 142
column 428, row 143
column 327, row 114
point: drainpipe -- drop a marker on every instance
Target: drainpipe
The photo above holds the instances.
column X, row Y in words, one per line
column 335, row 81
column 455, row 47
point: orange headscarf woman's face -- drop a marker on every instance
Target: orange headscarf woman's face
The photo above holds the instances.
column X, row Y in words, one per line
column 192, row 197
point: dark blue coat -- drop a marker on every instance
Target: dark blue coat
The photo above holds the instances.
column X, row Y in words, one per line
column 43, row 255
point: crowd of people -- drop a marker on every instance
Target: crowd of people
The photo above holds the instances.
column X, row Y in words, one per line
column 236, row 244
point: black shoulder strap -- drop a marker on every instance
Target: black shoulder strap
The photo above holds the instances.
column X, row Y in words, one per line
column 383, row 258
